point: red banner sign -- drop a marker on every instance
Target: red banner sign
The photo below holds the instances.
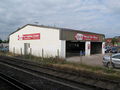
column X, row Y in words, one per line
column 79, row 36
column 29, row 36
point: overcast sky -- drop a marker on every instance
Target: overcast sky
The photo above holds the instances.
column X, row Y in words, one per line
column 99, row 16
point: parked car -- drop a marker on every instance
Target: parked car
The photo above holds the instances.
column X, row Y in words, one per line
column 112, row 61
column 118, row 49
column 107, row 49
column 114, row 50
column 0, row 49
column 5, row 49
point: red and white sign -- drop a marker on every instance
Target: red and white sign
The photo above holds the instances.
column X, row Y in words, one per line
column 29, row 36
column 79, row 36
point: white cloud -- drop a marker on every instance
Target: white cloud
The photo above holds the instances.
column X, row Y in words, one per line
column 91, row 15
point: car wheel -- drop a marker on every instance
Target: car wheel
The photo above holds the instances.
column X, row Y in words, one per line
column 110, row 65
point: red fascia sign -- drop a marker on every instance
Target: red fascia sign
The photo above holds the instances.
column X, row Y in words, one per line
column 79, row 36
column 109, row 40
column 34, row 36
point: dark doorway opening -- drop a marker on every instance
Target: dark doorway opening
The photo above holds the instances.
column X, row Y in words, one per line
column 73, row 48
column 96, row 47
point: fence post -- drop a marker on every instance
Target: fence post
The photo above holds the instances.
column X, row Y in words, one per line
column 110, row 60
column 58, row 53
column 14, row 51
column 42, row 53
column 21, row 51
column 30, row 53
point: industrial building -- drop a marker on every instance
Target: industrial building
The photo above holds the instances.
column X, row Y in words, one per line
column 47, row 41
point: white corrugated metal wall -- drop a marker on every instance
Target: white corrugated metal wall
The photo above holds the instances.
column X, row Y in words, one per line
column 49, row 42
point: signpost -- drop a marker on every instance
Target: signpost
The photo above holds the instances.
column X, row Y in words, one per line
column 81, row 53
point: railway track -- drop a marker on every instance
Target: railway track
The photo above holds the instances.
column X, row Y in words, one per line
column 50, row 72
column 15, row 83
column 64, row 85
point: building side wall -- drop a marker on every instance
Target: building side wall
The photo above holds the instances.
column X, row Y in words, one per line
column 49, row 44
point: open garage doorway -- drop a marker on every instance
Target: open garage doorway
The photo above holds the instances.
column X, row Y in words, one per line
column 73, row 48
column 96, row 47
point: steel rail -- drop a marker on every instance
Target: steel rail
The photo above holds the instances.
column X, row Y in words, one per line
column 15, row 83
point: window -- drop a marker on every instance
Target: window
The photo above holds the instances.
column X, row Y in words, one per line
column 116, row 56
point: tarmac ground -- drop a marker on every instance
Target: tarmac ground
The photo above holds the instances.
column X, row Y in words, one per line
column 94, row 60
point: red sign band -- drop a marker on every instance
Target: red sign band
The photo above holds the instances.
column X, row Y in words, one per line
column 29, row 36
column 79, row 36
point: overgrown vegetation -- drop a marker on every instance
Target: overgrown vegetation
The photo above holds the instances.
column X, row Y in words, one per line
column 72, row 67
column 114, row 41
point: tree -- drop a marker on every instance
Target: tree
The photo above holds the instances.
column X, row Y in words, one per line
column 1, row 40
column 4, row 41
column 114, row 41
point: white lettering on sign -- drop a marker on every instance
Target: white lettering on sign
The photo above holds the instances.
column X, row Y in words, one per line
column 29, row 36
column 79, row 36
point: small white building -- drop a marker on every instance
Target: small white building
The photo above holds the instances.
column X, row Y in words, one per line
column 48, row 41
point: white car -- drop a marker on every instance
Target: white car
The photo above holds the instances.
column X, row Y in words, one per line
column 112, row 61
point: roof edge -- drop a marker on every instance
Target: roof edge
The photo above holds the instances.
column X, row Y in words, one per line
column 54, row 28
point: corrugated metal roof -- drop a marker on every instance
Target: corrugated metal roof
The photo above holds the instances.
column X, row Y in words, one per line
column 66, row 29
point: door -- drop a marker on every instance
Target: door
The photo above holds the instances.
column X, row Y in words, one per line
column 26, row 48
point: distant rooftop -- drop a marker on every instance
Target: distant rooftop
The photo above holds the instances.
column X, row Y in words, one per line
column 117, row 37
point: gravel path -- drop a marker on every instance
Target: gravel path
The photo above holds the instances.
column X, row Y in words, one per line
column 94, row 60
